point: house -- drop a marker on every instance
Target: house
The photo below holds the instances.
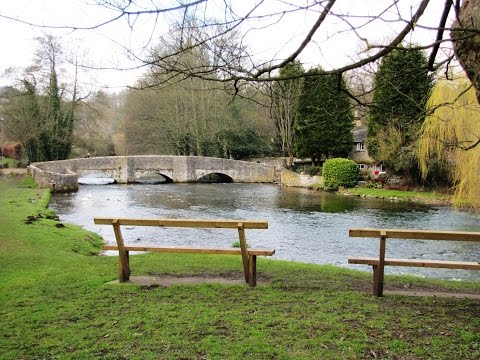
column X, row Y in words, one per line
column 359, row 153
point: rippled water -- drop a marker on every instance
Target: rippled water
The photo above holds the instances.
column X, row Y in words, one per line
column 304, row 225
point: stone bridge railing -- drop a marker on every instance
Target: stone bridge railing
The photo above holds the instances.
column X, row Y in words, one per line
column 63, row 175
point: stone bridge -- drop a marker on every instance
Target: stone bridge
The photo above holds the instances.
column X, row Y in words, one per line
column 63, row 175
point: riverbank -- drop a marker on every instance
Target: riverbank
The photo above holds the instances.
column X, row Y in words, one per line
column 58, row 302
column 293, row 179
column 424, row 197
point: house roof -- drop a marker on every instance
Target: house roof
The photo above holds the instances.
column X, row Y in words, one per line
column 360, row 134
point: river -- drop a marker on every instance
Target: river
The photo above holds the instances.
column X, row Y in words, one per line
column 304, row 225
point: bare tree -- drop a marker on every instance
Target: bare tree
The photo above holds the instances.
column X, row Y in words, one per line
column 311, row 21
column 285, row 96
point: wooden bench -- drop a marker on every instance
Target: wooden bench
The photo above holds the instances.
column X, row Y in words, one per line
column 249, row 256
column 379, row 263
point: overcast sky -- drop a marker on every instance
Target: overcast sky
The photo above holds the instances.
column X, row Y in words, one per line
column 331, row 48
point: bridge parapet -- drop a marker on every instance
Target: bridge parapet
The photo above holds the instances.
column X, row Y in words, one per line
column 126, row 169
column 55, row 181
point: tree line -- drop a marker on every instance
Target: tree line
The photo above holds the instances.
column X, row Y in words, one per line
column 305, row 113
column 308, row 114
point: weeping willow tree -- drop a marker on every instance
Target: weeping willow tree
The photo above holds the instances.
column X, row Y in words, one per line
column 451, row 132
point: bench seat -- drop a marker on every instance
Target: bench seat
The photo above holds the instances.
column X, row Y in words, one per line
column 194, row 250
column 439, row 264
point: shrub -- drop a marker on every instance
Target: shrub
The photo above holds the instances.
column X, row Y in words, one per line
column 339, row 172
column 21, row 163
column 13, row 151
column 371, row 185
column 314, row 170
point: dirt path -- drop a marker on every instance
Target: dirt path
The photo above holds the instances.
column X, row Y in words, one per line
column 168, row 280
column 9, row 171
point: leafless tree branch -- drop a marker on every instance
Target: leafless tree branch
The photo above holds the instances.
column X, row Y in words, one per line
column 122, row 14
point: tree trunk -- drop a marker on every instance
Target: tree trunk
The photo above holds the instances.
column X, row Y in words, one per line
column 466, row 41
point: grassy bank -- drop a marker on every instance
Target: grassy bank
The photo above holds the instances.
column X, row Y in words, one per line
column 427, row 197
column 57, row 303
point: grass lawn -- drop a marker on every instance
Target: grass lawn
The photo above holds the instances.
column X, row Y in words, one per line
column 56, row 303
column 419, row 196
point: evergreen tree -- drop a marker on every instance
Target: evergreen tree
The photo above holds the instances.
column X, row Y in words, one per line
column 325, row 121
column 36, row 140
column 402, row 87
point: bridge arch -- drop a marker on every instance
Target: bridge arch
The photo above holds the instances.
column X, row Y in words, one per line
column 153, row 177
column 215, row 177
column 96, row 178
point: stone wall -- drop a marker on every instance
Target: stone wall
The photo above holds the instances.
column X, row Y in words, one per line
column 61, row 182
column 291, row 178
column 239, row 171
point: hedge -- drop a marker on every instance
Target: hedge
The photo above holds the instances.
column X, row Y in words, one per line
column 339, row 172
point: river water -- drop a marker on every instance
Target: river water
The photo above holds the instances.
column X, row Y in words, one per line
column 304, row 225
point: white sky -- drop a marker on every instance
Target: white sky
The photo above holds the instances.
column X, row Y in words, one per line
column 330, row 49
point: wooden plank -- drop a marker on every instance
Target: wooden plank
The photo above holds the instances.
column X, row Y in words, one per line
column 192, row 223
column 440, row 264
column 243, row 248
column 417, row 234
column 123, row 261
column 193, row 250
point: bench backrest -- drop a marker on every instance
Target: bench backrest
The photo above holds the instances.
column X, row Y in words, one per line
column 192, row 223
column 416, row 234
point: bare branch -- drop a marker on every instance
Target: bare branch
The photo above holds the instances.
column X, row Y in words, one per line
column 123, row 13
column 304, row 43
column 441, row 28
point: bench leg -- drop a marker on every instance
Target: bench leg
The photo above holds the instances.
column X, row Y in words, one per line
column 378, row 271
column 252, row 270
column 124, row 267
column 377, row 281
column 243, row 247
column 123, row 261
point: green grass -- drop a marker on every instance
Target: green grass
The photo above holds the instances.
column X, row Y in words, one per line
column 11, row 163
column 421, row 196
column 57, row 303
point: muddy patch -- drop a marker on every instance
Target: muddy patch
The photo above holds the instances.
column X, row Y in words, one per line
column 153, row 281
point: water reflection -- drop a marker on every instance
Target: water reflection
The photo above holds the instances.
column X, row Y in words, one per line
column 304, row 225
column 307, row 200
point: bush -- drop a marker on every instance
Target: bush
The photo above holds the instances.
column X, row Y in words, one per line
column 314, row 170
column 339, row 172
column 371, row 185
column 6, row 163
column 21, row 163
